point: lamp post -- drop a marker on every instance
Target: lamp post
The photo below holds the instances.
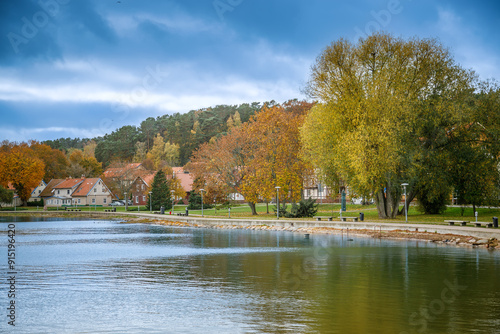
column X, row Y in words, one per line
column 201, row 192
column 150, row 201
column 173, row 198
column 126, row 201
column 278, row 202
column 406, row 209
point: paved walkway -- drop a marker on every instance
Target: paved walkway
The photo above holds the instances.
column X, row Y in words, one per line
column 479, row 232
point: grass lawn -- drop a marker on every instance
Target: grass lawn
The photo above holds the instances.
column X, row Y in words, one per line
column 370, row 212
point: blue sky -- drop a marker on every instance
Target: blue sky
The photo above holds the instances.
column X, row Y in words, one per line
column 83, row 68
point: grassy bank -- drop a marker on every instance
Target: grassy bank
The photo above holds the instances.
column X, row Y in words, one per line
column 325, row 210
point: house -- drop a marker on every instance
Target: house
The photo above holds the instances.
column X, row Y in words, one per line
column 61, row 192
column 92, row 191
column 47, row 193
column 120, row 176
column 140, row 188
column 186, row 180
column 35, row 193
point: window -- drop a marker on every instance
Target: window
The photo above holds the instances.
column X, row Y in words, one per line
column 104, row 200
column 58, row 192
column 103, row 190
column 93, row 200
column 142, row 186
column 137, row 187
column 144, row 198
column 95, row 190
column 137, row 199
column 78, row 201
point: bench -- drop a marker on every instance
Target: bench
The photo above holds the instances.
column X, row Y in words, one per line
column 487, row 224
column 181, row 214
column 329, row 218
column 354, row 219
column 461, row 222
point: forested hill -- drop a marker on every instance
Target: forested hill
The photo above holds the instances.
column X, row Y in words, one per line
column 187, row 130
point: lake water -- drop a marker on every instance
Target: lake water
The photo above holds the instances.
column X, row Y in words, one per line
column 87, row 276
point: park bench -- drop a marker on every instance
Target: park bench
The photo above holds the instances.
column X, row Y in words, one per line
column 478, row 224
column 181, row 214
column 329, row 218
column 354, row 219
column 461, row 222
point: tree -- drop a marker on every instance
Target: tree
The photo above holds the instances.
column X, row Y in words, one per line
column 55, row 161
column 160, row 193
column 163, row 154
column 140, row 152
column 274, row 148
column 255, row 157
column 22, row 169
column 220, row 165
column 6, row 196
column 371, row 92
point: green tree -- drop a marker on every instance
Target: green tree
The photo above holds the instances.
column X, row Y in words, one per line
column 363, row 131
column 6, row 196
column 160, row 193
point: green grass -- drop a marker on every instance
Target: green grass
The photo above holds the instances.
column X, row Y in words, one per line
column 370, row 213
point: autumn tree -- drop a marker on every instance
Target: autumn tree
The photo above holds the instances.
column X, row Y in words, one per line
column 163, row 153
column 22, row 169
column 274, row 149
column 55, row 161
column 254, row 158
column 220, row 165
column 371, row 94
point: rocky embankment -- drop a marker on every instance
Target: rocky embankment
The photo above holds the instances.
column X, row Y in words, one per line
column 445, row 239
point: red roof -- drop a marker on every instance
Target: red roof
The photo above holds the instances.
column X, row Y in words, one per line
column 186, row 181
column 85, row 187
column 68, row 183
column 148, row 178
column 119, row 171
column 47, row 192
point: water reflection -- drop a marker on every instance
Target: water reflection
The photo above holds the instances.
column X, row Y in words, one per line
column 101, row 276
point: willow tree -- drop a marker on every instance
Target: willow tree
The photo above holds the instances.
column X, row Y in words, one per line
column 370, row 94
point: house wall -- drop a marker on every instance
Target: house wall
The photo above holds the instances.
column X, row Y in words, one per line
column 140, row 192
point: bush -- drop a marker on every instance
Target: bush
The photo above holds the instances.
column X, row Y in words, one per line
column 432, row 205
column 305, row 208
column 195, row 202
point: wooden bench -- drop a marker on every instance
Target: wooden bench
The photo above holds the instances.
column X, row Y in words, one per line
column 329, row 218
column 461, row 222
column 181, row 214
column 354, row 219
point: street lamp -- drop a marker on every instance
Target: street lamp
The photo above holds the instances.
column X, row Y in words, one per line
column 150, row 201
column 406, row 210
column 278, row 201
column 126, row 201
column 201, row 192
column 173, row 198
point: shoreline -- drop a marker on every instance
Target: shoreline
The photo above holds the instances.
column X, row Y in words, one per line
column 445, row 239
column 442, row 234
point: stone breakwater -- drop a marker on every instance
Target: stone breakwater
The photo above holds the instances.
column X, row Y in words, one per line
column 445, row 239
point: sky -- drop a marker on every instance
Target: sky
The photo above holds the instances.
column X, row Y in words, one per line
column 84, row 68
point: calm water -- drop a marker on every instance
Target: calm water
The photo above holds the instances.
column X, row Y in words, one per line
column 105, row 277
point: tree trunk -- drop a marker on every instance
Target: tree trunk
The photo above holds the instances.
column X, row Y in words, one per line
column 252, row 207
column 388, row 202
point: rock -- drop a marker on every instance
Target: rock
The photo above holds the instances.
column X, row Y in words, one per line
column 472, row 241
column 481, row 242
